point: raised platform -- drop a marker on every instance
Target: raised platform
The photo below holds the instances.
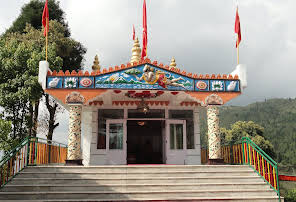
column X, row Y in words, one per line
column 138, row 182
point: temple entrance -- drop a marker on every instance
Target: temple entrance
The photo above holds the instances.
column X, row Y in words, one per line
column 145, row 141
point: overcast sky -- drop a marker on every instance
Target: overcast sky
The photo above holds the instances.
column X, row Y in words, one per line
column 198, row 33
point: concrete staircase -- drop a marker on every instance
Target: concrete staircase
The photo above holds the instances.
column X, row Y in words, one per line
column 139, row 182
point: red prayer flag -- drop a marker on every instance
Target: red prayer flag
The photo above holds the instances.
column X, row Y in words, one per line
column 144, row 49
column 45, row 18
column 237, row 29
column 134, row 33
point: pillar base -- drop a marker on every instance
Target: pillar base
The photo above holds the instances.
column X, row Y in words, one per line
column 76, row 162
column 216, row 162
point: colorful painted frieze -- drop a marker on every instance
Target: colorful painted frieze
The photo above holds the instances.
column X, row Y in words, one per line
column 143, row 77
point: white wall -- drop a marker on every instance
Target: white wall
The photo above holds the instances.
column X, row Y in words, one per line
column 193, row 156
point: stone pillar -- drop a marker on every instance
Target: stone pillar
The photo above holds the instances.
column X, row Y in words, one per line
column 88, row 128
column 214, row 140
column 74, row 138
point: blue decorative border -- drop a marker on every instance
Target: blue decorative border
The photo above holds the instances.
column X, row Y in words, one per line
column 144, row 78
column 202, row 85
column 86, row 82
column 217, row 85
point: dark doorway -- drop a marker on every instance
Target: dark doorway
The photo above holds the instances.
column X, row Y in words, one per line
column 144, row 142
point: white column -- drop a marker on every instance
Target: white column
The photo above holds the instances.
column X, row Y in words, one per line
column 87, row 128
column 74, row 138
column 214, row 140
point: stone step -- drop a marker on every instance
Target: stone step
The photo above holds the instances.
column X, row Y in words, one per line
column 177, row 199
column 135, row 187
column 131, row 174
column 191, row 199
column 138, row 182
column 137, row 168
column 130, row 180
column 156, row 195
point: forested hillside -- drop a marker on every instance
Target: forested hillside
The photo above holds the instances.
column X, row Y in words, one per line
column 277, row 116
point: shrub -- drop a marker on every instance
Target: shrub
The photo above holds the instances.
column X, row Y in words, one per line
column 291, row 195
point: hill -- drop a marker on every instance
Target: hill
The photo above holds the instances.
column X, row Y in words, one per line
column 277, row 116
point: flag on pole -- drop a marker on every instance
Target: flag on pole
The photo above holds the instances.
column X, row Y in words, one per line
column 237, row 28
column 134, row 33
column 144, row 49
column 45, row 18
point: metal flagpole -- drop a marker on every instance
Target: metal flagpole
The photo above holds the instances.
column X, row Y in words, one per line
column 237, row 44
column 46, row 39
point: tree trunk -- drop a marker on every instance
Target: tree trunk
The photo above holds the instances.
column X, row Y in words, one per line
column 35, row 118
column 14, row 123
column 51, row 122
column 30, row 121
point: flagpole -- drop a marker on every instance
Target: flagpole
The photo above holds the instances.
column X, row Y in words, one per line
column 46, row 39
column 237, row 44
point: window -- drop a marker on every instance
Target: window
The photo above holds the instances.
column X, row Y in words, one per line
column 115, row 135
column 102, row 116
column 188, row 116
column 176, row 136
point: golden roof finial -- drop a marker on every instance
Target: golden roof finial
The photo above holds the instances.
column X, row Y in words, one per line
column 96, row 65
column 136, row 51
column 173, row 62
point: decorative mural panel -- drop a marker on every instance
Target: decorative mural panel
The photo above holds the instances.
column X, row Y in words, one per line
column 143, row 77
column 202, row 85
column 86, row 82
column 54, row 82
column 217, row 85
column 232, row 86
column 71, row 82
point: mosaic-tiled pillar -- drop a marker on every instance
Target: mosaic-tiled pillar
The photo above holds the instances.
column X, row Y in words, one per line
column 214, row 139
column 74, row 138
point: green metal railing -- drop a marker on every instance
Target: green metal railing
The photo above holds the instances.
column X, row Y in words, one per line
column 262, row 163
column 248, row 153
column 31, row 151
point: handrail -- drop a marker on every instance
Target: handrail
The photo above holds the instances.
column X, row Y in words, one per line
column 52, row 141
column 14, row 150
column 258, row 148
column 31, row 151
column 262, row 163
column 249, row 153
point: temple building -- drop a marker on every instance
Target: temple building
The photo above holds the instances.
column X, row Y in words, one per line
column 142, row 112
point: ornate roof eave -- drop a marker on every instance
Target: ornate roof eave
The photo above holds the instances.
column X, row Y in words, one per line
column 141, row 62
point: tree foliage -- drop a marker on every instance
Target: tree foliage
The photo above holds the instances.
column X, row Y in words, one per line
column 276, row 116
column 5, row 140
column 22, row 46
column 31, row 13
column 251, row 130
column 290, row 195
column 20, row 54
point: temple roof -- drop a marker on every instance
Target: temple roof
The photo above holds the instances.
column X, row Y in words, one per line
column 141, row 62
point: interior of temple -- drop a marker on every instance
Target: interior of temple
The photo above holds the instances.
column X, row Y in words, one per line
column 145, row 141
